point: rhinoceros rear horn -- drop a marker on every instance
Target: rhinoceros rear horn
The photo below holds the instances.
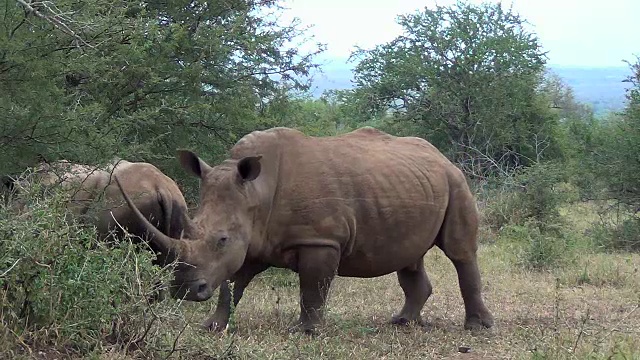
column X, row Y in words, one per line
column 164, row 243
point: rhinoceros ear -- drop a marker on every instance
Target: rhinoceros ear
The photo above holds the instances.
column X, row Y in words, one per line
column 192, row 163
column 249, row 167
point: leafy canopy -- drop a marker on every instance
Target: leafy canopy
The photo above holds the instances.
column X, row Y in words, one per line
column 464, row 77
column 140, row 79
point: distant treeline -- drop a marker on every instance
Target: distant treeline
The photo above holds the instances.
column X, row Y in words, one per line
column 603, row 88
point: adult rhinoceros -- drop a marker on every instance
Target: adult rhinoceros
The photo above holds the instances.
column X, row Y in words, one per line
column 92, row 194
column 363, row 204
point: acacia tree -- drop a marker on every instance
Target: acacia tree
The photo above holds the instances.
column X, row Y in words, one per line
column 90, row 80
column 465, row 77
column 617, row 159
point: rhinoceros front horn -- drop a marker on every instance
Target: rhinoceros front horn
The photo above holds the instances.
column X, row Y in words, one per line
column 164, row 243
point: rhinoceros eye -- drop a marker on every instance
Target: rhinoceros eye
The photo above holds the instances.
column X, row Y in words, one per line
column 223, row 239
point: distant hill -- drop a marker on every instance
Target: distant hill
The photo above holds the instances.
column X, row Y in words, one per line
column 601, row 87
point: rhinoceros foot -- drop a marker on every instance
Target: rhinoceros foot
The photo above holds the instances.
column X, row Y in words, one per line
column 404, row 321
column 305, row 329
column 215, row 324
column 479, row 321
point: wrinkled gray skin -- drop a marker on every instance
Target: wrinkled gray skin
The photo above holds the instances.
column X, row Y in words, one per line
column 363, row 204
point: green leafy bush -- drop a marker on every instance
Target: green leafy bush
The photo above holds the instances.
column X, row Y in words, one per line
column 62, row 288
column 524, row 209
column 541, row 249
column 533, row 194
column 621, row 235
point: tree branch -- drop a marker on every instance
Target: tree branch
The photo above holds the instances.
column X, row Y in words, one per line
column 54, row 20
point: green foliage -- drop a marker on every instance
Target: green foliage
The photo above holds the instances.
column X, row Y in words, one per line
column 139, row 80
column 542, row 195
column 61, row 287
column 603, row 158
column 621, row 235
column 501, row 206
column 533, row 194
column 627, row 235
column 579, row 140
column 562, row 100
column 523, row 209
column 539, row 248
column 313, row 117
column 465, row 78
column 617, row 158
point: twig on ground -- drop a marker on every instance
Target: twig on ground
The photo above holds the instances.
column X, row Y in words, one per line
column 10, row 267
column 175, row 341
column 620, row 322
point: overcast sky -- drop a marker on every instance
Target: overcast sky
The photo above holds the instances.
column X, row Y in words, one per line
column 574, row 32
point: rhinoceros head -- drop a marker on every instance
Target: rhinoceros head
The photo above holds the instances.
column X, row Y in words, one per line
column 221, row 228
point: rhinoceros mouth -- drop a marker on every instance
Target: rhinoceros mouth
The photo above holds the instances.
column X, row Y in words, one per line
column 193, row 290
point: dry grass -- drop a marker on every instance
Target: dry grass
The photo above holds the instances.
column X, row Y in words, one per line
column 570, row 313
column 587, row 309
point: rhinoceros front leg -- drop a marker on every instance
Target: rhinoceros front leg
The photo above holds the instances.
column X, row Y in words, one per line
column 220, row 318
column 317, row 267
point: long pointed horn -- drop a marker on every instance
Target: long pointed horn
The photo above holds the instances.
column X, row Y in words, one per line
column 164, row 242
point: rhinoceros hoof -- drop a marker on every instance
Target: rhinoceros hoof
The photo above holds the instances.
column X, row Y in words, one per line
column 476, row 322
column 403, row 321
column 214, row 326
column 300, row 328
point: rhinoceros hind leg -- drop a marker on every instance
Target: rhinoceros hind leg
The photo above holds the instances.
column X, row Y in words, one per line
column 417, row 288
column 458, row 240
column 317, row 267
column 477, row 316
